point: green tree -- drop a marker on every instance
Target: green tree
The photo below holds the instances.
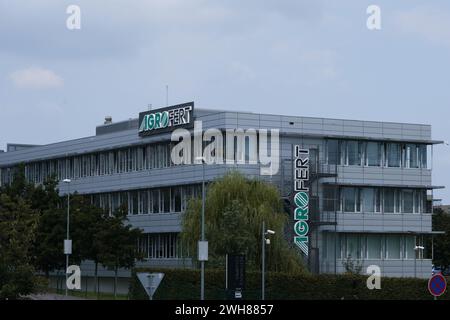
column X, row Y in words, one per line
column 86, row 221
column 234, row 211
column 47, row 249
column 117, row 241
column 18, row 224
column 441, row 222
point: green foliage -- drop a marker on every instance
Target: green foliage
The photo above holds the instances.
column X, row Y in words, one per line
column 33, row 227
column 441, row 222
column 184, row 284
column 18, row 223
column 51, row 228
column 352, row 266
column 234, row 211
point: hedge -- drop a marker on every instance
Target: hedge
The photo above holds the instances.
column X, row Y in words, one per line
column 184, row 284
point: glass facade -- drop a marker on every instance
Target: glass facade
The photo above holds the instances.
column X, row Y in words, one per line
column 160, row 246
column 117, row 161
column 372, row 246
column 376, row 154
column 148, row 201
column 375, row 200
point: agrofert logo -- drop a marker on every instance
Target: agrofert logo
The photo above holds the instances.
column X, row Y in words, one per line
column 165, row 119
column 301, row 198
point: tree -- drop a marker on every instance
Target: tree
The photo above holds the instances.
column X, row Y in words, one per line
column 234, row 211
column 86, row 220
column 441, row 222
column 18, row 224
column 117, row 241
column 47, row 249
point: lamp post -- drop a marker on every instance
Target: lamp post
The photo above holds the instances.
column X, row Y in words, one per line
column 416, row 249
column 264, row 241
column 67, row 243
column 201, row 247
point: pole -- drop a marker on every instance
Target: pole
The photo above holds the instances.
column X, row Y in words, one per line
column 67, row 235
column 263, row 262
column 202, row 263
column 415, row 257
column 226, row 272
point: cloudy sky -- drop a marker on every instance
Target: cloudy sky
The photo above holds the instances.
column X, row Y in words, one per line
column 311, row 58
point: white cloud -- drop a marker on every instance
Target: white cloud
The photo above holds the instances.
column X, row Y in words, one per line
column 429, row 23
column 36, row 78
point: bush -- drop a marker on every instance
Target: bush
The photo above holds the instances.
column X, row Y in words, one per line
column 184, row 284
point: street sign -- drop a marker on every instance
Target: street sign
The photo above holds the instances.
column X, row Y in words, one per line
column 203, row 251
column 437, row 285
column 67, row 246
column 150, row 282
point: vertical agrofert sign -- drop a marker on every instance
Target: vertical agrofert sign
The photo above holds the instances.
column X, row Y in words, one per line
column 301, row 198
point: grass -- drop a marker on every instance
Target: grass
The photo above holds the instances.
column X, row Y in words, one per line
column 90, row 295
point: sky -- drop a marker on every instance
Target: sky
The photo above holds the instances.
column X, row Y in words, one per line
column 294, row 57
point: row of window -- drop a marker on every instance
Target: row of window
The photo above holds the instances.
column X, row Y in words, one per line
column 380, row 200
column 376, row 154
column 160, row 246
column 96, row 164
column 144, row 157
column 148, row 201
column 377, row 246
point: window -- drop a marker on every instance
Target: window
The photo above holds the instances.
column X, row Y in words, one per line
column 165, row 200
column 391, row 200
column 329, row 198
column 419, row 204
column 124, row 201
column 393, row 247
column 407, row 201
column 143, row 202
column 423, row 156
column 115, row 202
column 143, row 245
column 353, row 153
column 155, row 201
column 368, row 199
column 373, row 154
column 348, row 195
column 134, row 201
column 393, row 155
column 353, row 247
column 410, row 244
column 162, row 245
column 412, row 156
column 176, row 195
column 373, row 247
column 333, row 151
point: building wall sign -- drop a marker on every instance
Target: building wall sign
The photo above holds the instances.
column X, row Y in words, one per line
column 301, row 198
column 166, row 119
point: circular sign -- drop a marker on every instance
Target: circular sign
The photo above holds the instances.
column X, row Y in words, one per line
column 437, row 285
column 301, row 199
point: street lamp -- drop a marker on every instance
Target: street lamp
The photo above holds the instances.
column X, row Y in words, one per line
column 67, row 242
column 203, row 244
column 264, row 241
column 416, row 249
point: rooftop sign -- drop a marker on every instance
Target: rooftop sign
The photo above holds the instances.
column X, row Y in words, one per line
column 166, row 119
